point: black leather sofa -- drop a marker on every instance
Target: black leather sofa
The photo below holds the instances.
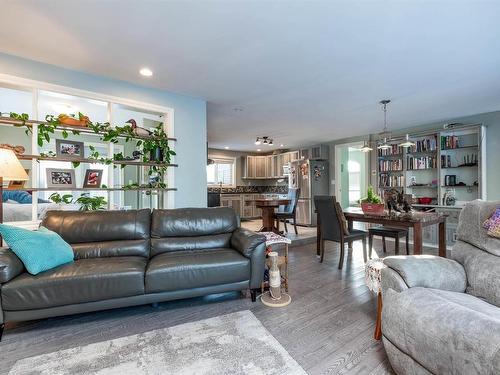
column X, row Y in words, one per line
column 126, row 258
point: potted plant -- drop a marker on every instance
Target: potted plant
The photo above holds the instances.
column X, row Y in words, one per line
column 372, row 204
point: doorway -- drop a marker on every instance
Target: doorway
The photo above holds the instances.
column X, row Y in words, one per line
column 351, row 173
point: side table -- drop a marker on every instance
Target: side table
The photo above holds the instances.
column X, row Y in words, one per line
column 373, row 271
column 271, row 239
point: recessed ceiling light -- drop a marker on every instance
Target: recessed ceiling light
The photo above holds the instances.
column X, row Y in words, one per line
column 65, row 108
column 259, row 149
column 227, row 148
column 281, row 145
column 146, row 72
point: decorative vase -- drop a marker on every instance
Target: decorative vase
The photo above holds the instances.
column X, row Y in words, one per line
column 373, row 208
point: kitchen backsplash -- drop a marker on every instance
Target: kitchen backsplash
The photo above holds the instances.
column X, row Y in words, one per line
column 251, row 190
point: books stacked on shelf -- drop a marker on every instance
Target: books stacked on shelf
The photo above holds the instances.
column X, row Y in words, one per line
column 423, row 162
column 424, row 145
column 395, row 150
column 449, row 142
column 387, row 180
column 390, row 165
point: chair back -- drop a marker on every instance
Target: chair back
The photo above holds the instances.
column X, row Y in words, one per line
column 331, row 228
column 293, row 196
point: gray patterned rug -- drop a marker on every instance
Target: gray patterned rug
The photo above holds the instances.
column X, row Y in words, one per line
column 230, row 344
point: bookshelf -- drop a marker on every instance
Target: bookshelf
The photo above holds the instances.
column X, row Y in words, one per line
column 444, row 165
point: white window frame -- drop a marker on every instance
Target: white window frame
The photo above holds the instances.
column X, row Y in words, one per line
column 36, row 86
column 233, row 163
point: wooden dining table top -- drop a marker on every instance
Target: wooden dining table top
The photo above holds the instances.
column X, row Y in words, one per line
column 271, row 202
column 356, row 214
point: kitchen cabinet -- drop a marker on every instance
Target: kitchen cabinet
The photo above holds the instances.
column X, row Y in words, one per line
column 233, row 201
column 260, row 166
column 269, row 166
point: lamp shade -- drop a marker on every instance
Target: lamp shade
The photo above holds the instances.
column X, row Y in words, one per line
column 10, row 167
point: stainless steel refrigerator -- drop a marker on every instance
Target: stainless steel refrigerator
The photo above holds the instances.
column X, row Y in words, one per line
column 311, row 176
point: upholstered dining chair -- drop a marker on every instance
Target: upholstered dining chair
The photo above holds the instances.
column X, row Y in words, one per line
column 289, row 211
column 334, row 226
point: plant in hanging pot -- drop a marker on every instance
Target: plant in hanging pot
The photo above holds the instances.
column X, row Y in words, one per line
column 372, row 204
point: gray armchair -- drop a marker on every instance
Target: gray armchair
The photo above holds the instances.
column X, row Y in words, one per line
column 442, row 316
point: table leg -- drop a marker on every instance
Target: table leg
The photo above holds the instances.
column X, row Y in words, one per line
column 417, row 239
column 378, row 324
column 318, row 235
column 267, row 220
column 442, row 239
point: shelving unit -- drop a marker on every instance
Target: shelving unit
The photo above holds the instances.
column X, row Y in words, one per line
column 425, row 167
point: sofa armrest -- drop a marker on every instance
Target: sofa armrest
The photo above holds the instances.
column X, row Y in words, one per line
column 426, row 271
column 10, row 265
column 253, row 246
column 246, row 241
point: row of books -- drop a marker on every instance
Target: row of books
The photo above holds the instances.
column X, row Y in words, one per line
column 390, row 165
column 387, row 180
column 394, row 150
column 424, row 145
column 449, row 141
column 424, row 162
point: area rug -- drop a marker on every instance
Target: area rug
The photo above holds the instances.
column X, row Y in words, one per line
column 230, row 344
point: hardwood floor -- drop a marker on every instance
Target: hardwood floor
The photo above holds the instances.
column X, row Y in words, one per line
column 328, row 327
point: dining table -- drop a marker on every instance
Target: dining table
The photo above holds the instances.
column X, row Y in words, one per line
column 268, row 206
column 415, row 220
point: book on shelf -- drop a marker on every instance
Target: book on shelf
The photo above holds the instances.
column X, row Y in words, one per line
column 395, row 150
column 422, row 162
column 424, row 145
column 387, row 180
column 390, row 165
column 449, row 142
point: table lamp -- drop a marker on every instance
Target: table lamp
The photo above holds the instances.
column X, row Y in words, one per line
column 10, row 170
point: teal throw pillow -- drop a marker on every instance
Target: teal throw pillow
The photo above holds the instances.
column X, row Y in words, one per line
column 39, row 250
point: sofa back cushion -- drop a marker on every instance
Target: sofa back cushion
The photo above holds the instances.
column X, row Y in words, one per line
column 471, row 229
column 192, row 229
column 97, row 234
column 479, row 253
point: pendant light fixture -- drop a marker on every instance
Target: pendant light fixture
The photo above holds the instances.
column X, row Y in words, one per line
column 366, row 147
column 407, row 142
column 385, row 145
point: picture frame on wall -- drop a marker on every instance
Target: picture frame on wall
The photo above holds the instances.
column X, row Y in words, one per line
column 93, row 178
column 69, row 149
column 18, row 184
column 60, row 178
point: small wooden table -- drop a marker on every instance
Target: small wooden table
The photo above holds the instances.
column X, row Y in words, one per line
column 268, row 206
column 415, row 220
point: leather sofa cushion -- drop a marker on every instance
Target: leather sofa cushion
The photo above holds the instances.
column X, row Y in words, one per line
column 162, row 245
column 189, row 222
column 193, row 269
column 97, row 226
column 85, row 280
column 445, row 332
column 111, row 249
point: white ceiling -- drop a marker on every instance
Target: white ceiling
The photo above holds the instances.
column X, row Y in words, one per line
column 302, row 71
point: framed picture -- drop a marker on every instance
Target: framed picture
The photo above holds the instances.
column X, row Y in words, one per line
column 60, row 178
column 70, row 149
column 93, row 178
column 18, row 184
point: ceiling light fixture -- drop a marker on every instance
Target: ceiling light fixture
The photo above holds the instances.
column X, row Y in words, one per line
column 259, row 150
column 385, row 145
column 282, row 145
column 407, row 142
column 366, row 147
column 146, row 72
column 226, row 148
column 65, row 108
column 265, row 140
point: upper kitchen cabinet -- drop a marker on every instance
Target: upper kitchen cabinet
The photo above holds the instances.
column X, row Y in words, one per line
column 315, row 152
column 270, row 166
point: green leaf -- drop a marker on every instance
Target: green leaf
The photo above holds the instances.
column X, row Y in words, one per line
column 65, row 134
column 75, row 164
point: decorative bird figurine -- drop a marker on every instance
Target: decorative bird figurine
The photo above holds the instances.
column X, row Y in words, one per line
column 142, row 132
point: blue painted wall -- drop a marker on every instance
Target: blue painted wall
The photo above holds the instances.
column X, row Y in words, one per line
column 190, row 118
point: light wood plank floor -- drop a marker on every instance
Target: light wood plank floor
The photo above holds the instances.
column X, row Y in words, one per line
column 328, row 327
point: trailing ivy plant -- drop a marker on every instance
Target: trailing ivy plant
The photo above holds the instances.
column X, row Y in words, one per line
column 58, row 198
column 86, row 203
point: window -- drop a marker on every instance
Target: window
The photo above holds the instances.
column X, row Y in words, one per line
column 354, row 169
column 221, row 171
